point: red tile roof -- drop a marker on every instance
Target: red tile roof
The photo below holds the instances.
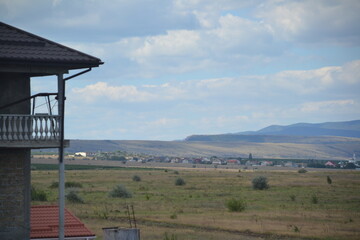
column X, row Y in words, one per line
column 18, row 46
column 44, row 223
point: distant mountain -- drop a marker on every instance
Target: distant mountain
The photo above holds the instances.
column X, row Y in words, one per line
column 284, row 133
column 341, row 129
column 336, row 140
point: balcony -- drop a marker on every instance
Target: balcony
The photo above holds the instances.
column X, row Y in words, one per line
column 30, row 131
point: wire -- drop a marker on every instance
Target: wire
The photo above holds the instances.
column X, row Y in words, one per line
column 45, row 104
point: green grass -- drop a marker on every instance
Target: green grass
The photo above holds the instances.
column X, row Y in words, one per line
column 197, row 208
column 41, row 166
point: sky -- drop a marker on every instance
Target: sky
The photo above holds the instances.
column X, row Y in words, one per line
column 175, row 68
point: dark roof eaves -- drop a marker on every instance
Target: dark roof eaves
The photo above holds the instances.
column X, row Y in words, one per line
column 52, row 42
column 66, row 64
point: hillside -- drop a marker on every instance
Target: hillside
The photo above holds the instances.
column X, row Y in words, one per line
column 301, row 140
column 342, row 129
column 306, row 148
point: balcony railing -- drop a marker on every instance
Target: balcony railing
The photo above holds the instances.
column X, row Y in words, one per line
column 29, row 130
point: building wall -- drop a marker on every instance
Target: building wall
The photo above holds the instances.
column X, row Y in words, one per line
column 14, row 165
column 14, row 194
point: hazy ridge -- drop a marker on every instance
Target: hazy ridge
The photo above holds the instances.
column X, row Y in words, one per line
column 271, row 142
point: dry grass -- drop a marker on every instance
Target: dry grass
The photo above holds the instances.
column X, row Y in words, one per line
column 197, row 210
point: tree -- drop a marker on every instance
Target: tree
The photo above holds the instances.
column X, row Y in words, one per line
column 250, row 156
column 260, row 183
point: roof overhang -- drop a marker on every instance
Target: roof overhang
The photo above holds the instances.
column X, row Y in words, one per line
column 42, row 69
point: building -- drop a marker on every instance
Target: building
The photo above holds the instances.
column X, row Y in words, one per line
column 44, row 225
column 23, row 56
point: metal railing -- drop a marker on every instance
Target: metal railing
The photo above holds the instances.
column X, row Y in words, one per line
column 39, row 127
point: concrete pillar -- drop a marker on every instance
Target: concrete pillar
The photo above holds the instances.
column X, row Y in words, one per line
column 14, row 165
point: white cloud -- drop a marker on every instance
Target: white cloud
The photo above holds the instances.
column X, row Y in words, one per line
column 313, row 21
column 310, row 83
column 174, row 43
column 163, row 122
column 350, row 73
column 115, row 93
column 305, row 82
column 330, row 106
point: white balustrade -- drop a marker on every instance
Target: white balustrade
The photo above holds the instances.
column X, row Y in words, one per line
column 29, row 127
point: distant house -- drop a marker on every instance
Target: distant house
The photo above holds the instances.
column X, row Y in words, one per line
column 80, row 154
column 44, row 225
column 266, row 163
column 216, row 162
column 252, row 163
column 330, row 164
column 290, row 164
column 197, row 160
column 233, row 161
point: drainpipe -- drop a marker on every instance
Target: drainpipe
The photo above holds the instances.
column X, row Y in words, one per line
column 61, row 111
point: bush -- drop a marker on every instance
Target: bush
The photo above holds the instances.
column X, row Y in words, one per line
column 179, row 182
column 329, row 180
column 260, row 183
column 172, row 237
column 73, row 185
column 54, row 185
column 236, row 205
column 293, row 197
column 120, row 191
column 303, row 170
column 67, row 185
column 38, row 195
column 136, row 178
column 314, row 199
column 73, row 197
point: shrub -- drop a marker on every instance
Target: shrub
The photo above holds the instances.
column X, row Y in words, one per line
column 67, row 185
column 179, row 182
column 260, row 183
column 314, row 199
column 136, row 178
column 176, row 172
column 302, row 170
column 293, row 197
column 329, row 180
column 73, row 197
column 172, row 237
column 236, row 205
column 73, row 185
column 120, row 191
column 54, row 185
column 38, row 195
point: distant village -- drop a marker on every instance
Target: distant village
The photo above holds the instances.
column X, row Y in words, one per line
column 215, row 161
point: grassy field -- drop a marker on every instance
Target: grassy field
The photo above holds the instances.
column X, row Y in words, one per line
column 296, row 206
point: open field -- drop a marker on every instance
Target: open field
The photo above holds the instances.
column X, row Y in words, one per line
column 197, row 210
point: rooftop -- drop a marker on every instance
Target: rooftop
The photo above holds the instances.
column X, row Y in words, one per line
column 45, row 222
column 20, row 47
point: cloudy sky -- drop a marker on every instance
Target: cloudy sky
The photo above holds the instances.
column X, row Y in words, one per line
column 179, row 67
